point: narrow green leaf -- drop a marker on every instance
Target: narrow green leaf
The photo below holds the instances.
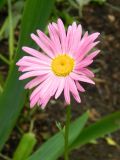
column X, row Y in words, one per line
column 35, row 16
column 54, row 147
column 104, row 126
column 3, row 28
column 1, row 83
column 11, row 31
column 16, row 16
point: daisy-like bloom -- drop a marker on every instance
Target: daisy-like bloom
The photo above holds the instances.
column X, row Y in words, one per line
column 61, row 65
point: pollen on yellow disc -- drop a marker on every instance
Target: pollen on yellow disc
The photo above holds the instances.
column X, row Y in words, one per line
column 62, row 65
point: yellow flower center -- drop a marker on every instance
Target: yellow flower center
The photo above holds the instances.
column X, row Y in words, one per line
column 62, row 65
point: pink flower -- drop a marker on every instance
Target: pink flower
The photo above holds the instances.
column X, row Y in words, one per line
column 61, row 65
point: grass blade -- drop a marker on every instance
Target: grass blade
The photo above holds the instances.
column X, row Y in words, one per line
column 99, row 129
column 11, row 34
column 35, row 16
column 54, row 147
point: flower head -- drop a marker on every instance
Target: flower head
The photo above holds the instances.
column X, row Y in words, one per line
column 61, row 65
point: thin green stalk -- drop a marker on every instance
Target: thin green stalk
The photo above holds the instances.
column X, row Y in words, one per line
column 11, row 34
column 66, row 136
column 5, row 157
column 1, row 89
column 3, row 28
column 31, row 125
column 4, row 59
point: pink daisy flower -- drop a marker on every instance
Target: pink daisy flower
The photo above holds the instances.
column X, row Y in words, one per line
column 61, row 65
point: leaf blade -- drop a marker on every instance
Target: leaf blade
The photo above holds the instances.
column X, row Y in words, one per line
column 57, row 139
column 54, row 147
column 13, row 97
column 104, row 126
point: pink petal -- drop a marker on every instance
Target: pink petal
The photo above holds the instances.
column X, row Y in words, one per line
column 85, row 42
column 81, row 78
column 42, row 85
column 36, row 81
column 46, row 40
column 33, row 74
column 55, row 26
column 28, row 59
column 91, row 38
column 36, row 68
column 79, row 87
column 87, row 72
column 44, row 47
column 93, row 54
column 46, row 88
column 77, row 98
column 86, row 61
column 77, row 36
column 25, row 64
column 81, row 44
column 67, row 92
column 83, row 51
column 68, row 40
column 62, row 34
column 74, row 90
column 51, row 89
column 83, row 63
column 55, row 38
column 21, row 68
column 44, row 102
column 60, row 87
column 34, row 101
column 47, row 91
column 36, row 54
column 55, row 87
column 72, row 38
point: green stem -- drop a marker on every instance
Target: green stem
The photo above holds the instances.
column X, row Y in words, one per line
column 5, row 157
column 4, row 59
column 66, row 136
column 1, row 89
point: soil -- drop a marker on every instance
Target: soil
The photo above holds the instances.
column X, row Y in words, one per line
column 101, row 99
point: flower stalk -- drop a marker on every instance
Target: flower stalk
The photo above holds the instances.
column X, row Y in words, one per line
column 66, row 135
